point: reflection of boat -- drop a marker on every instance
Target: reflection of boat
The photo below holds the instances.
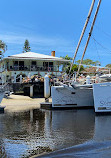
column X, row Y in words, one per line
column 64, row 132
column 66, row 128
column 102, row 128
column 99, row 143
column 2, row 93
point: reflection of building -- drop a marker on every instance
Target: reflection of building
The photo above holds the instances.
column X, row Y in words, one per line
column 28, row 64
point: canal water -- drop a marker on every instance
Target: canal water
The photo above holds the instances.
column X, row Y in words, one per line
column 81, row 132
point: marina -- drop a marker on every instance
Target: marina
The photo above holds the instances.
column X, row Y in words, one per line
column 55, row 103
column 34, row 131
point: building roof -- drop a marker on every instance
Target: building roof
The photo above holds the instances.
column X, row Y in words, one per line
column 94, row 70
column 35, row 56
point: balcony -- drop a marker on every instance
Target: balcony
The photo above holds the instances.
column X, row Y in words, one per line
column 33, row 68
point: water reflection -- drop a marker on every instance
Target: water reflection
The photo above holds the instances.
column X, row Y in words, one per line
column 19, row 132
column 67, row 128
column 98, row 146
column 102, row 128
column 23, row 134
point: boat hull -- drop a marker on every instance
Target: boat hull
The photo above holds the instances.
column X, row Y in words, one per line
column 69, row 97
column 102, row 97
column 2, row 93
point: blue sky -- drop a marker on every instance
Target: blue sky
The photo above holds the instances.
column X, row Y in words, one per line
column 55, row 25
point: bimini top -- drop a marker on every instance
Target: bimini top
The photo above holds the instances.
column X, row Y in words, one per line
column 32, row 55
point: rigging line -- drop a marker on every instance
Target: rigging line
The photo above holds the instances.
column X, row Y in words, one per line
column 97, row 49
column 96, row 26
column 101, row 44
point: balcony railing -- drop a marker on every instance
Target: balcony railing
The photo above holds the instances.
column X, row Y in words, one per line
column 33, row 68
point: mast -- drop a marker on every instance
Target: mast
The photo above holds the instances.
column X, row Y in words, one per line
column 83, row 31
column 94, row 19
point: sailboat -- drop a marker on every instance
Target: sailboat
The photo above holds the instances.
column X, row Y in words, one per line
column 69, row 96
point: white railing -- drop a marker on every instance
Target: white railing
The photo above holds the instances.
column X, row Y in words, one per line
column 33, row 68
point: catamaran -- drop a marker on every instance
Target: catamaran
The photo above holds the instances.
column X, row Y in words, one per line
column 75, row 95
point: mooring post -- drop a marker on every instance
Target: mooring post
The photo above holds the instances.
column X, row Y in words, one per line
column 31, row 91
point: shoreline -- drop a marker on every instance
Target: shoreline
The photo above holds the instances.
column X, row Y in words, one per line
column 16, row 103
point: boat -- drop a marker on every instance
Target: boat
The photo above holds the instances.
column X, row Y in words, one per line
column 76, row 95
column 72, row 96
column 2, row 93
column 88, row 95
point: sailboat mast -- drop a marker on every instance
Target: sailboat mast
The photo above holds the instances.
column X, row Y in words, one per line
column 95, row 16
column 83, row 31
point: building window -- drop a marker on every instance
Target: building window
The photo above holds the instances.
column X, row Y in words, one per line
column 51, row 66
column 33, row 62
column 45, row 65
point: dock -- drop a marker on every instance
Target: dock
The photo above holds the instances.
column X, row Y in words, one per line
column 32, row 89
column 46, row 105
column 2, row 109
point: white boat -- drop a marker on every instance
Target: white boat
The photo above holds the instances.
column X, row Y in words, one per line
column 72, row 97
column 75, row 95
column 67, row 96
column 102, row 97
column 2, row 93
column 106, row 77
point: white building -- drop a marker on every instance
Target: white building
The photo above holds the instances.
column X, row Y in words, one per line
column 29, row 63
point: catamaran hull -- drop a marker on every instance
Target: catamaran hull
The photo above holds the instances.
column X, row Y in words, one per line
column 2, row 93
column 69, row 97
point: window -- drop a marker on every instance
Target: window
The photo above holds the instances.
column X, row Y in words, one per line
column 34, row 63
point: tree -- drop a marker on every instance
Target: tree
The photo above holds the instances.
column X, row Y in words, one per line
column 26, row 47
column 108, row 65
column 66, row 67
column 67, row 57
column 89, row 62
column 3, row 48
column 74, row 68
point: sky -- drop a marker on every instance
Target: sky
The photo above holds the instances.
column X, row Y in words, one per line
column 56, row 25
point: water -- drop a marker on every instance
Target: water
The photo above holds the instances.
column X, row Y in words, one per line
column 81, row 132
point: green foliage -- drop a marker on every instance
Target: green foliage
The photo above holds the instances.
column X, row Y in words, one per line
column 26, row 47
column 3, row 48
column 74, row 69
column 89, row 62
column 66, row 67
column 108, row 65
column 67, row 57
